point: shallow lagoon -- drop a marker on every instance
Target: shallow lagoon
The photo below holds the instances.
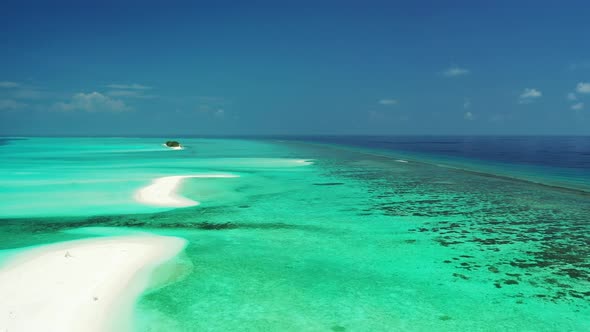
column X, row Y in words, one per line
column 352, row 242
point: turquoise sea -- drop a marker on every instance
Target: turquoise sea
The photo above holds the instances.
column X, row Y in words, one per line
column 363, row 238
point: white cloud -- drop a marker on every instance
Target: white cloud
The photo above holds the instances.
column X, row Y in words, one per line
column 92, row 102
column 9, row 104
column 468, row 116
column 466, row 103
column 133, row 86
column 528, row 95
column 6, row 84
column 578, row 106
column 531, row 93
column 387, row 102
column 571, row 96
column 583, row 87
column 455, row 71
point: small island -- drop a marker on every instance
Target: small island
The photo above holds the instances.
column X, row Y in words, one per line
column 175, row 145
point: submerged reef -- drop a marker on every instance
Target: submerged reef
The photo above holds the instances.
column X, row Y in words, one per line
column 523, row 238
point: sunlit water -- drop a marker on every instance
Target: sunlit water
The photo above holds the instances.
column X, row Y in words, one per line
column 355, row 241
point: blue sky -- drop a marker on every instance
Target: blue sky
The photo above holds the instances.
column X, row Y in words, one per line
column 231, row 68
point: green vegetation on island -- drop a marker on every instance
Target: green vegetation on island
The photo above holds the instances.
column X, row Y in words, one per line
column 172, row 144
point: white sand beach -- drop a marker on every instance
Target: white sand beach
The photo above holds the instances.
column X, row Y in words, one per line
column 162, row 191
column 83, row 285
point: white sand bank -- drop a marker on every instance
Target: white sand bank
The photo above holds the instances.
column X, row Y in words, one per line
column 162, row 191
column 173, row 147
column 303, row 161
column 85, row 285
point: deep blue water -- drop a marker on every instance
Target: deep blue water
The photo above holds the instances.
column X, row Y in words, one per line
column 567, row 152
column 555, row 160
